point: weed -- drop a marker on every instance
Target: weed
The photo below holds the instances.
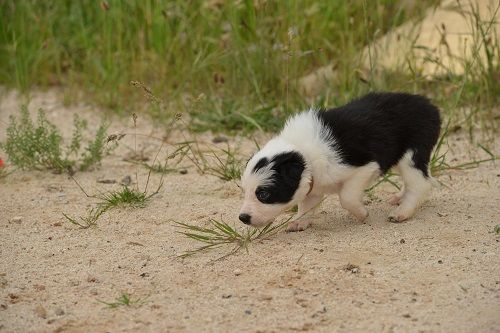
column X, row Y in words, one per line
column 128, row 197
column 39, row 145
column 221, row 234
column 125, row 197
column 123, row 300
column 226, row 168
column 497, row 229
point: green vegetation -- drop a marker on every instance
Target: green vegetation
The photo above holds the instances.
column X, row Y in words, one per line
column 39, row 145
column 243, row 56
column 126, row 197
column 123, row 300
column 219, row 234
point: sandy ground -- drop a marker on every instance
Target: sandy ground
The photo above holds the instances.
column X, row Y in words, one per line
column 439, row 272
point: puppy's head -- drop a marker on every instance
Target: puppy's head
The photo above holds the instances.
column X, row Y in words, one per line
column 274, row 180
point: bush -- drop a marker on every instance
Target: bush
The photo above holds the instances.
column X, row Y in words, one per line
column 38, row 146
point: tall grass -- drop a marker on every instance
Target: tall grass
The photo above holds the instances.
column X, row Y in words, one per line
column 243, row 55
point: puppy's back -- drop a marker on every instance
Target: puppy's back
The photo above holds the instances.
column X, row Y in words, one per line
column 382, row 127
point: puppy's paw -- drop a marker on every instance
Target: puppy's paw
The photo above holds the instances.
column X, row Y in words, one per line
column 298, row 225
column 362, row 214
column 399, row 215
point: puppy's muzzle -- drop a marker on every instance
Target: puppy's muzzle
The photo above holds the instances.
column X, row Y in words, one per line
column 245, row 218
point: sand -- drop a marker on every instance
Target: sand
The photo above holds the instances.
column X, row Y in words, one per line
column 438, row 272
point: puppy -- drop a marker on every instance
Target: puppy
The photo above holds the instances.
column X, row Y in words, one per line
column 343, row 150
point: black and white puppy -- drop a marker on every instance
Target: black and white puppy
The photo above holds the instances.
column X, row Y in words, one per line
column 343, row 150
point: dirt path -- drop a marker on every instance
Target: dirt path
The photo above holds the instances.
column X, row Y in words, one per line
column 439, row 272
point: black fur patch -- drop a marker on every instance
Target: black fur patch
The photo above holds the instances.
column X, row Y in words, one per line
column 288, row 168
column 260, row 164
column 382, row 127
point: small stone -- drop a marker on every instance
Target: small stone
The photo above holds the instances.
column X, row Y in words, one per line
column 248, row 312
column 226, row 296
column 92, row 279
column 74, row 283
column 126, row 181
column 183, row 171
column 57, row 224
column 407, row 315
column 440, row 261
column 237, row 272
column 59, row 312
column 3, row 306
column 39, row 287
column 14, row 298
column 402, row 241
column 106, row 181
column 351, row 268
column 266, row 297
column 16, row 219
column 40, row 311
column 93, row 292
column 219, row 139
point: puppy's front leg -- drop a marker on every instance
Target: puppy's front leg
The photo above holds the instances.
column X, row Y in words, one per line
column 306, row 209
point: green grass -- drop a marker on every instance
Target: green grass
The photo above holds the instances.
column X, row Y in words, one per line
column 244, row 57
column 220, row 234
column 125, row 197
column 39, row 145
column 123, row 300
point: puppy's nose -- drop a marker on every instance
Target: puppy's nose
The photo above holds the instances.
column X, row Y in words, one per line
column 245, row 218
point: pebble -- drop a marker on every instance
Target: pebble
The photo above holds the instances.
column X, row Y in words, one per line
column 74, row 283
column 93, row 279
column 126, row 181
column 106, row 181
column 41, row 312
column 39, row 287
column 17, row 219
column 237, row 272
column 219, row 139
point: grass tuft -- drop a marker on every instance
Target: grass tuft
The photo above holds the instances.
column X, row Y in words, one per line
column 227, row 166
column 220, row 234
column 123, row 300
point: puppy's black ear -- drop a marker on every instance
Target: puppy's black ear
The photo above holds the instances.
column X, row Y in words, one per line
column 289, row 165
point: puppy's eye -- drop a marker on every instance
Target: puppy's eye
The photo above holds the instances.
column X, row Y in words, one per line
column 263, row 195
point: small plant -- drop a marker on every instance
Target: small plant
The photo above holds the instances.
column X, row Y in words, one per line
column 129, row 197
column 221, row 234
column 227, row 168
column 39, row 145
column 123, row 300
column 108, row 200
column 497, row 229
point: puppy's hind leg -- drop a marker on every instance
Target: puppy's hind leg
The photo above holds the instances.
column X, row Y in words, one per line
column 351, row 193
column 417, row 186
